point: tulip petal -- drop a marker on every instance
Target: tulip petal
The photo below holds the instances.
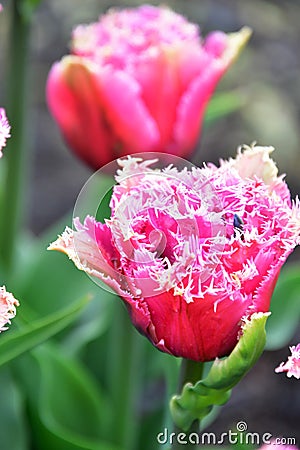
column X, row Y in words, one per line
column 79, row 112
column 192, row 107
column 127, row 113
column 193, row 103
column 161, row 86
column 183, row 333
column 196, row 401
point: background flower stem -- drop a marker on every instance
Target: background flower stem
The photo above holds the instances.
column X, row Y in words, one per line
column 190, row 372
column 124, row 378
column 12, row 212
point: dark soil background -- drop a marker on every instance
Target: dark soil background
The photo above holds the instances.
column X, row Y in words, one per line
column 268, row 76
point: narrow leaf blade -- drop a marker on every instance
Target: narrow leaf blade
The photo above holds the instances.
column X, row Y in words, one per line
column 15, row 343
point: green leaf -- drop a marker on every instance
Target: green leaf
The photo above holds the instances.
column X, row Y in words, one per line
column 14, row 343
column 196, row 401
column 27, row 8
column 71, row 409
column 284, row 320
column 50, row 275
column 223, row 104
column 51, row 282
column 12, row 424
column 93, row 322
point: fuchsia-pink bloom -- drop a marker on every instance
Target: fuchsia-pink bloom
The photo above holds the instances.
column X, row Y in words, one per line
column 193, row 253
column 137, row 80
column 7, row 308
column 292, row 366
column 4, row 129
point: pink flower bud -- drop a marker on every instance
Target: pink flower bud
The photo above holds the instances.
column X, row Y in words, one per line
column 193, row 253
column 137, row 80
column 4, row 129
column 7, row 308
column 292, row 366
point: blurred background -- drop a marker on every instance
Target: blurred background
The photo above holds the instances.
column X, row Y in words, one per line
column 267, row 76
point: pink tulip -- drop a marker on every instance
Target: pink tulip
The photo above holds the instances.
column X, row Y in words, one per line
column 137, row 80
column 292, row 366
column 193, row 254
column 7, row 308
column 4, row 129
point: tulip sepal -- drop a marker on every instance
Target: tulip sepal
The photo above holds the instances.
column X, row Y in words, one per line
column 197, row 400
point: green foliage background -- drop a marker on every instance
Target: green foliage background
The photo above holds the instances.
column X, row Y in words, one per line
column 58, row 357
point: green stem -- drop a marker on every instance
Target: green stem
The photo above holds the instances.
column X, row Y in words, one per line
column 12, row 213
column 190, row 372
column 124, row 379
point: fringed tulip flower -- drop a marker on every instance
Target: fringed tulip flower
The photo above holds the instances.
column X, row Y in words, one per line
column 292, row 366
column 8, row 306
column 192, row 253
column 4, row 130
column 138, row 80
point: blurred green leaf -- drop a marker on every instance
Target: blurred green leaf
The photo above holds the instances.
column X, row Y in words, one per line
column 285, row 309
column 2, row 184
column 171, row 370
column 14, row 343
column 72, row 411
column 196, row 401
column 27, row 7
column 45, row 281
column 52, row 281
column 13, row 423
column 50, row 276
column 149, row 428
column 92, row 323
column 47, row 285
column 223, row 104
